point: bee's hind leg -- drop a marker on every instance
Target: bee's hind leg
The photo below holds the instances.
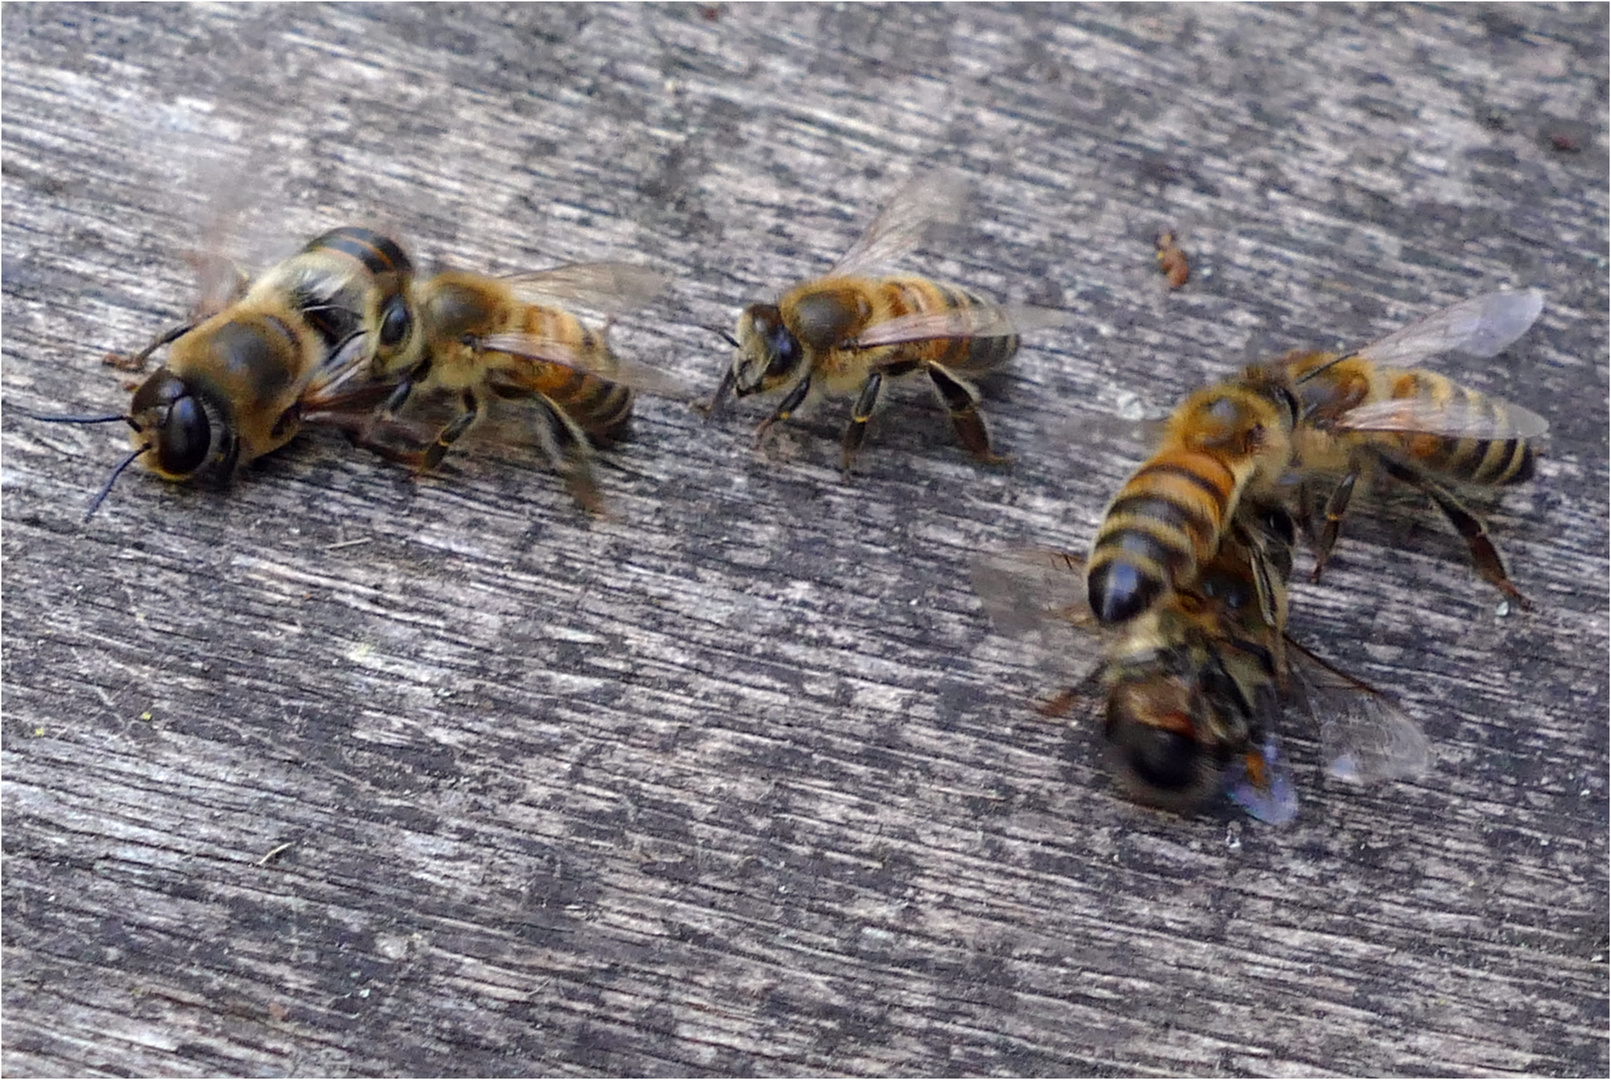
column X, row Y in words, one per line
column 570, row 453
column 962, row 402
column 1483, row 553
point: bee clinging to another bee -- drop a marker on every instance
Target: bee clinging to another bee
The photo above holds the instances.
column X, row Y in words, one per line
column 1194, row 687
column 483, row 338
column 846, row 334
column 1282, row 430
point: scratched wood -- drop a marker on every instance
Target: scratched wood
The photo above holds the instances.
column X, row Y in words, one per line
column 343, row 772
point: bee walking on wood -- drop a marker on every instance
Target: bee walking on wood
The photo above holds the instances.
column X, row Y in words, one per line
column 1366, row 412
column 846, row 335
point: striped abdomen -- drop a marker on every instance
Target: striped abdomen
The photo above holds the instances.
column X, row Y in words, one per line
column 911, row 295
column 600, row 407
column 1469, row 460
column 1165, row 523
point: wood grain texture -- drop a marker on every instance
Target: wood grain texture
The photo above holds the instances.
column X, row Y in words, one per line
column 739, row 780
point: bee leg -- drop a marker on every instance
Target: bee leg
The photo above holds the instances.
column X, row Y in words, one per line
column 1483, row 553
column 450, row 434
column 860, row 413
column 962, row 402
column 569, row 452
column 1336, row 507
column 137, row 361
column 785, row 408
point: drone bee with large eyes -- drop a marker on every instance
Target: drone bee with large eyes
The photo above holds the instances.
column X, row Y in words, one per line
column 847, row 334
column 1195, row 686
column 482, row 338
column 1366, row 411
column 241, row 381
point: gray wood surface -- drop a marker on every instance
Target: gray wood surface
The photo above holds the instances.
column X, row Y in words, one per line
column 346, row 772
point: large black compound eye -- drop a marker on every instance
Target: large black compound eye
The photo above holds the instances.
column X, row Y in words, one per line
column 184, row 438
column 1166, row 762
column 782, row 347
column 395, row 323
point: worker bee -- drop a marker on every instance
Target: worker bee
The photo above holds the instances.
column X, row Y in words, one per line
column 484, row 337
column 1365, row 411
column 1194, row 687
column 846, row 334
column 240, row 382
column 1225, row 443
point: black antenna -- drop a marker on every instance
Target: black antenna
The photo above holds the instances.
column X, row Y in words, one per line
column 74, row 419
column 729, row 338
column 106, row 489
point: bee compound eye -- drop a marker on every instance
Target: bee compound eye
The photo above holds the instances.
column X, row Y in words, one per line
column 784, row 350
column 184, row 438
column 394, row 323
column 1159, row 760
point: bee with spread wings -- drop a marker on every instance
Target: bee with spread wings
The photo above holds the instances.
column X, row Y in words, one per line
column 846, row 334
column 1368, row 411
column 1195, row 687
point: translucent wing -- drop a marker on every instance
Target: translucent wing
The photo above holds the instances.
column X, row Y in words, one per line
column 1488, row 418
column 603, row 286
column 1364, row 735
column 1268, row 797
column 977, row 321
column 595, row 361
column 1482, row 326
column 1028, row 589
column 936, row 197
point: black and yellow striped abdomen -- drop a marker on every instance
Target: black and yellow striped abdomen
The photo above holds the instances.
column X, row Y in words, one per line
column 1487, row 462
column 963, row 354
column 597, row 405
column 1165, row 522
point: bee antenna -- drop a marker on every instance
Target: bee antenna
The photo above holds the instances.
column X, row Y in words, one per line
column 73, row 419
column 725, row 336
column 1328, row 364
column 106, row 488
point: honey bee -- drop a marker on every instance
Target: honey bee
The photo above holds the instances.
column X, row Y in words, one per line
column 1194, row 688
column 1171, row 260
column 846, row 334
column 240, row 382
column 488, row 337
column 1225, row 443
column 1365, row 411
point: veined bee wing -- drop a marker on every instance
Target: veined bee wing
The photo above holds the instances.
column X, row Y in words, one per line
column 1269, row 796
column 934, row 197
column 603, row 286
column 1364, row 735
column 1482, row 326
column 978, row 321
column 598, row 362
column 1487, row 418
column 1028, row 589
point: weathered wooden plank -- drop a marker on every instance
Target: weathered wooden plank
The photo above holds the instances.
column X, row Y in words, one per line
column 737, row 779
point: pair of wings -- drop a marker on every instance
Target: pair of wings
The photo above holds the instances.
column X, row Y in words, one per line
column 929, row 199
column 1365, row 736
column 1483, row 326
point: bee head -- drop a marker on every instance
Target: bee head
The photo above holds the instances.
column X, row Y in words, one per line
column 768, row 355
column 393, row 328
column 184, row 431
column 1153, row 744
